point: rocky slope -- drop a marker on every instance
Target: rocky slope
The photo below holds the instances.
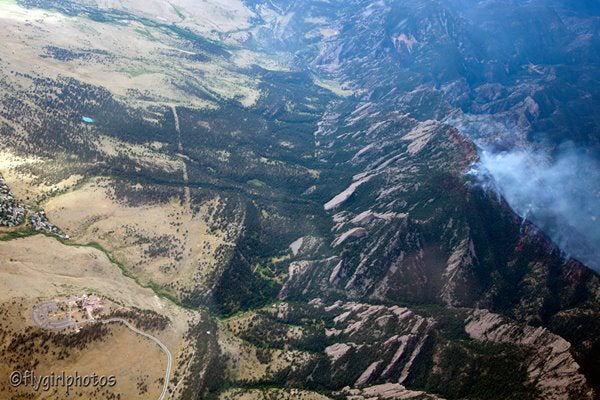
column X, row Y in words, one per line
column 315, row 167
column 412, row 225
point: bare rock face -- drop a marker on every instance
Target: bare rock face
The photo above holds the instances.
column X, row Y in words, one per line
column 367, row 351
column 386, row 391
column 400, row 335
column 551, row 366
column 456, row 276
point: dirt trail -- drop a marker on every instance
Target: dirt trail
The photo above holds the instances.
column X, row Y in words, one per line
column 186, row 189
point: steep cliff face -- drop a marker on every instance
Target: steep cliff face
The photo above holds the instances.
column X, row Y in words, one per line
column 378, row 351
column 551, row 367
column 413, row 224
column 412, row 227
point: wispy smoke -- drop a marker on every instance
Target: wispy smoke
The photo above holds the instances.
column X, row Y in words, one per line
column 559, row 194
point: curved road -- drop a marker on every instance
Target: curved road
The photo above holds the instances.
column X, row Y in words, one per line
column 155, row 340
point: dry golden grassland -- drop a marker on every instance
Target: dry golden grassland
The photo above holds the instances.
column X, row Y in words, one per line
column 92, row 214
column 23, row 174
column 137, row 364
column 130, row 55
column 40, row 268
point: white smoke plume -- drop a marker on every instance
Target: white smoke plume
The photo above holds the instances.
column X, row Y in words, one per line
column 560, row 194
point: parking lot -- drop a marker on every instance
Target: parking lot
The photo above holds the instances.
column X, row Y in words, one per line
column 42, row 317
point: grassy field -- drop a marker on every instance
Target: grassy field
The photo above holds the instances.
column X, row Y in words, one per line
column 162, row 244
column 40, row 267
column 137, row 364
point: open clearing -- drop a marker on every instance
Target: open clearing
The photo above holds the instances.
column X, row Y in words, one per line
column 150, row 61
column 39, row 267
column 164, row 243
column 132, row 359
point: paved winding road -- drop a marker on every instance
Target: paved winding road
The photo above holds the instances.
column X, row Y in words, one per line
column 155, row 340
column 40, row 317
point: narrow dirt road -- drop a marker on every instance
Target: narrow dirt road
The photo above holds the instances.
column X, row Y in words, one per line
column 186, row 179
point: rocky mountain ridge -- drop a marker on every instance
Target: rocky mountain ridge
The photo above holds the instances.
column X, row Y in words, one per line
column 319, row 188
